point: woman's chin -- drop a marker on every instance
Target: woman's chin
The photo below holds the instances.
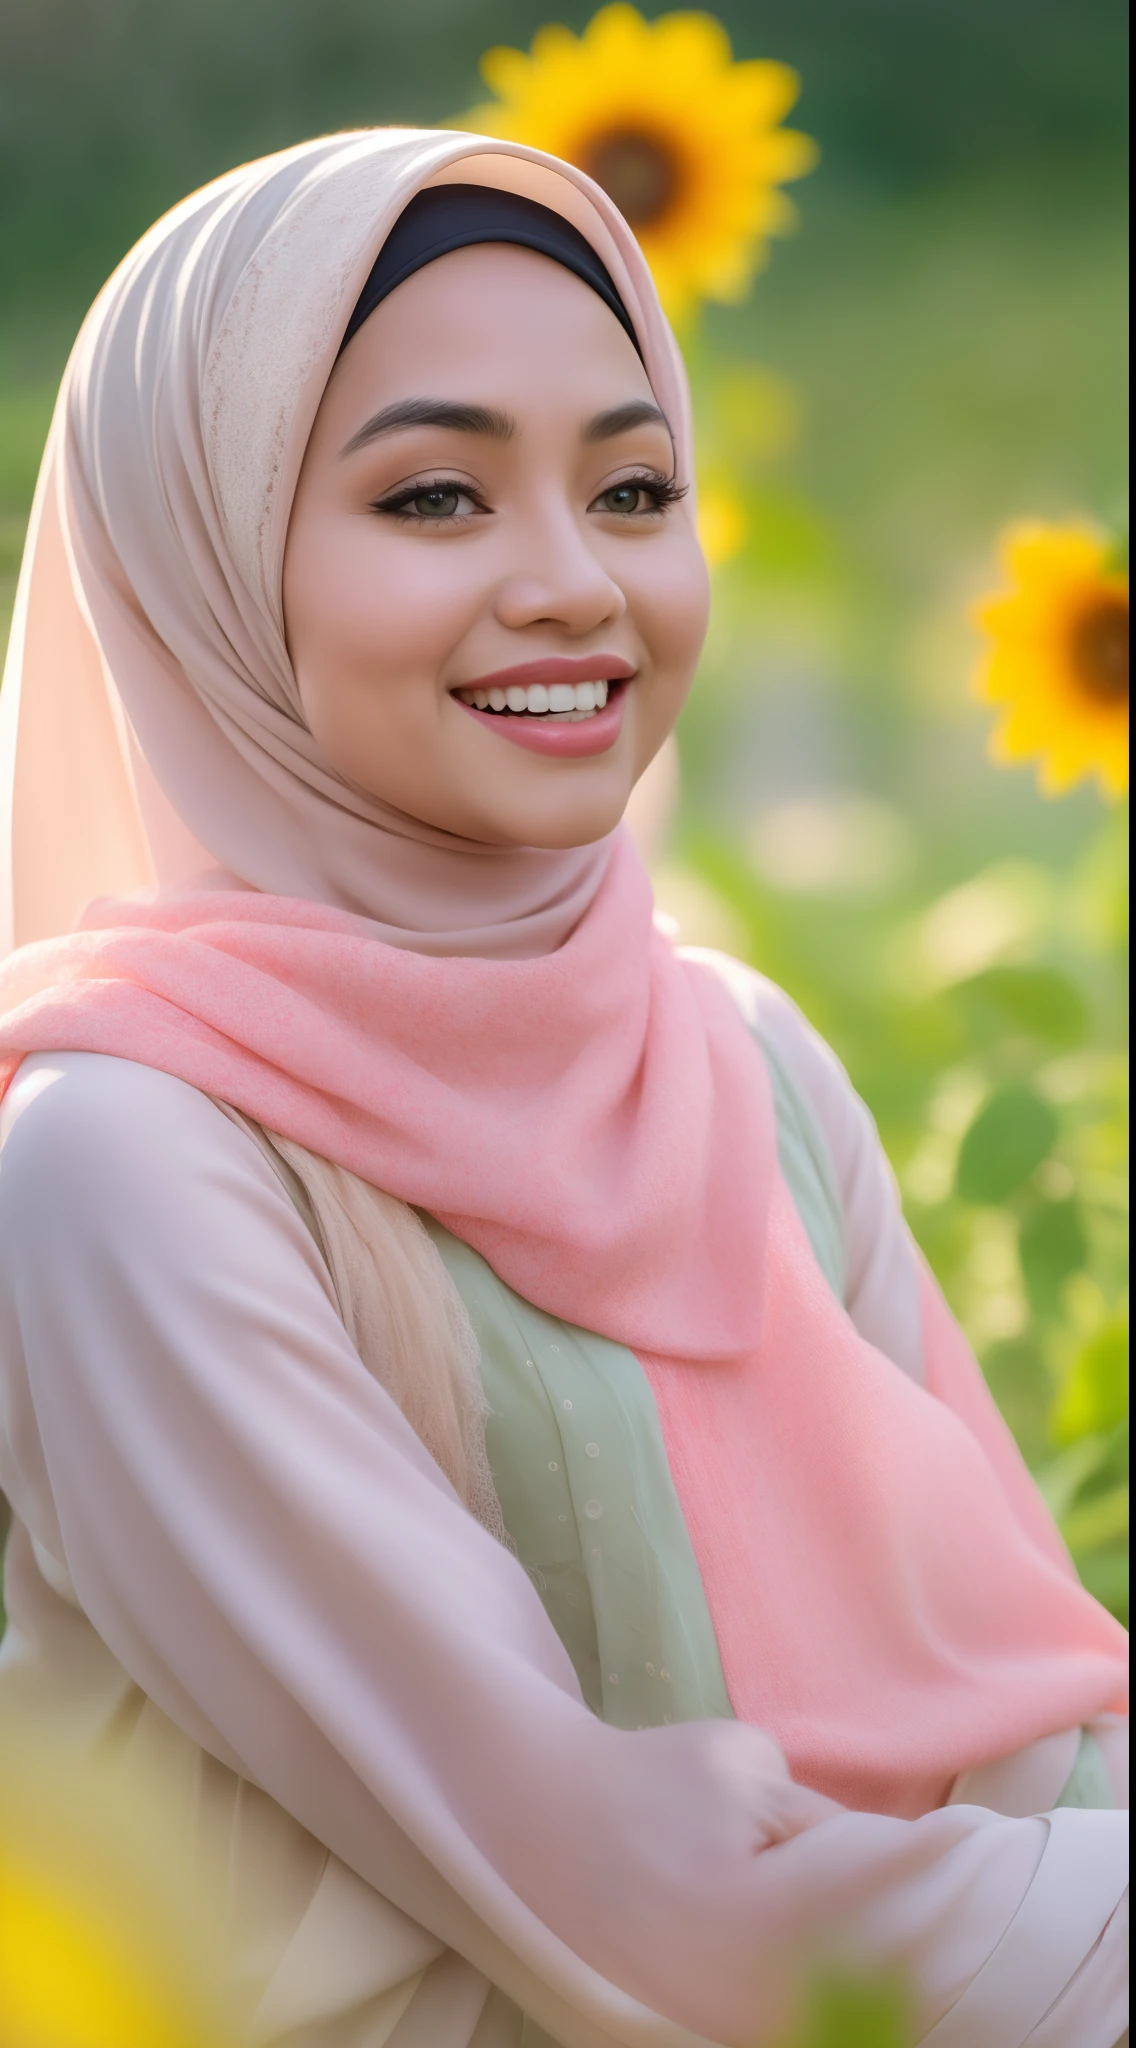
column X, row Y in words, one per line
column 578, row 836
column 555, row 834
column 575, row 805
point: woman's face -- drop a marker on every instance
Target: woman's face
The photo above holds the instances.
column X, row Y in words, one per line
column 487, row 521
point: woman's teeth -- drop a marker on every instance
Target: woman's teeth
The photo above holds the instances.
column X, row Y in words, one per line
column 555, row 700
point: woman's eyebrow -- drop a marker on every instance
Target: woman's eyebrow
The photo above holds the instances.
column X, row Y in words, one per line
column 433, row 412
column 619, row 419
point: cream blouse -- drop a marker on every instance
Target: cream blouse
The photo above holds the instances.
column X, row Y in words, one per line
column 232, row 1558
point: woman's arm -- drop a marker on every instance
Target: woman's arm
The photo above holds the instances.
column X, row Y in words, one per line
column 252, row 1528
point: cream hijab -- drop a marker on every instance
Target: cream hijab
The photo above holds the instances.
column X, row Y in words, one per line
column 150, row 724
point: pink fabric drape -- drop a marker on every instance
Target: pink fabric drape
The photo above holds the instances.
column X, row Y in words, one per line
column 597, row 1124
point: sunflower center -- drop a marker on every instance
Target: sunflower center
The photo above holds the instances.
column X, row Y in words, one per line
column 1099, row 648
column 635, row 170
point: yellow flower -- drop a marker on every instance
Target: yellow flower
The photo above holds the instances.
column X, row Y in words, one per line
column 103, row 1943
column 684, row 140
column 722, row 523
column 1058, row 658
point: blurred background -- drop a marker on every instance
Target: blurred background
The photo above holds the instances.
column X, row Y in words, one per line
column 938, row 349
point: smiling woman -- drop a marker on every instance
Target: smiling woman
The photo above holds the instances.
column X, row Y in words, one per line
column 528, row 510
column 476, row 1424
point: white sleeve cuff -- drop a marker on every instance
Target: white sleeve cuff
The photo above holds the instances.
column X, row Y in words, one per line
column 1052, row 1959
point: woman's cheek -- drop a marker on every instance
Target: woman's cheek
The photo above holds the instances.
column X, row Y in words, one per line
column 401, row 612
column 671, row 607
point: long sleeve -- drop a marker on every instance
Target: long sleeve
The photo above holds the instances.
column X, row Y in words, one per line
column 253, row 1530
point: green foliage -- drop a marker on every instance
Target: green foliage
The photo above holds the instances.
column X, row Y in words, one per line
column 1039, row 1002
column 1094, row 1397
column 110, row 112
column 844, row 2011
column 1053, row 1244
column 1006, row 1142
column 25, row 412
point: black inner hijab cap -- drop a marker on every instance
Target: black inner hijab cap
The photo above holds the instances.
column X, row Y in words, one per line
column 450, row 217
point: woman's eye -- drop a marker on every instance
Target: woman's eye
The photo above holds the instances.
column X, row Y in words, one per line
column 430, row 503
column 638, row 497
column 440, row 502
column 627, row 498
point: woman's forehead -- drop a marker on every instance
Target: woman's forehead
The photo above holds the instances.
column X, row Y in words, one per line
column 490, row 318
column 442, row 219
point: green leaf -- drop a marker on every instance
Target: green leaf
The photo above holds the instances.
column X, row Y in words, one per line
column 1104, row 1574
column 1015, row 1372
column 1006, row 1142
column 1095, row 1523
column 853, row 2012
column 1062, row 1479
column 1094, row 1397
column 1052, row 1244
column 1036, row 1000
column 25, row 415
column 1118, row 553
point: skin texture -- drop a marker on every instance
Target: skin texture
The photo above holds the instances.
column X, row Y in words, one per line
column 524, row 556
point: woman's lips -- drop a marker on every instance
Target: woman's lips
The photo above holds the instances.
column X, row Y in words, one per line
column 563, row 717
column 563, row 737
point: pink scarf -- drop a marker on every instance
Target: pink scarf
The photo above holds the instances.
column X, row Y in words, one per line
column 890, row 1598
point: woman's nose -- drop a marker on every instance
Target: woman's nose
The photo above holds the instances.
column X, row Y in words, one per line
column 557, row 579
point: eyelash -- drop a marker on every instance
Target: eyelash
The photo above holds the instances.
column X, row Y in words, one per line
column 663, row 491
column 396, row 505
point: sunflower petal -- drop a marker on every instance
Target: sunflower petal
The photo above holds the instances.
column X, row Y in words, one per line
column 764, row 90
column 670, row 86
column 1062, row 707
column 505, row 71
column 697, row 40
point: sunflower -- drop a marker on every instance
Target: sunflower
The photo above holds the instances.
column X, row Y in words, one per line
column 103, row 1943
column 685, row 140
column 722, row 522
column 1058, row 657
